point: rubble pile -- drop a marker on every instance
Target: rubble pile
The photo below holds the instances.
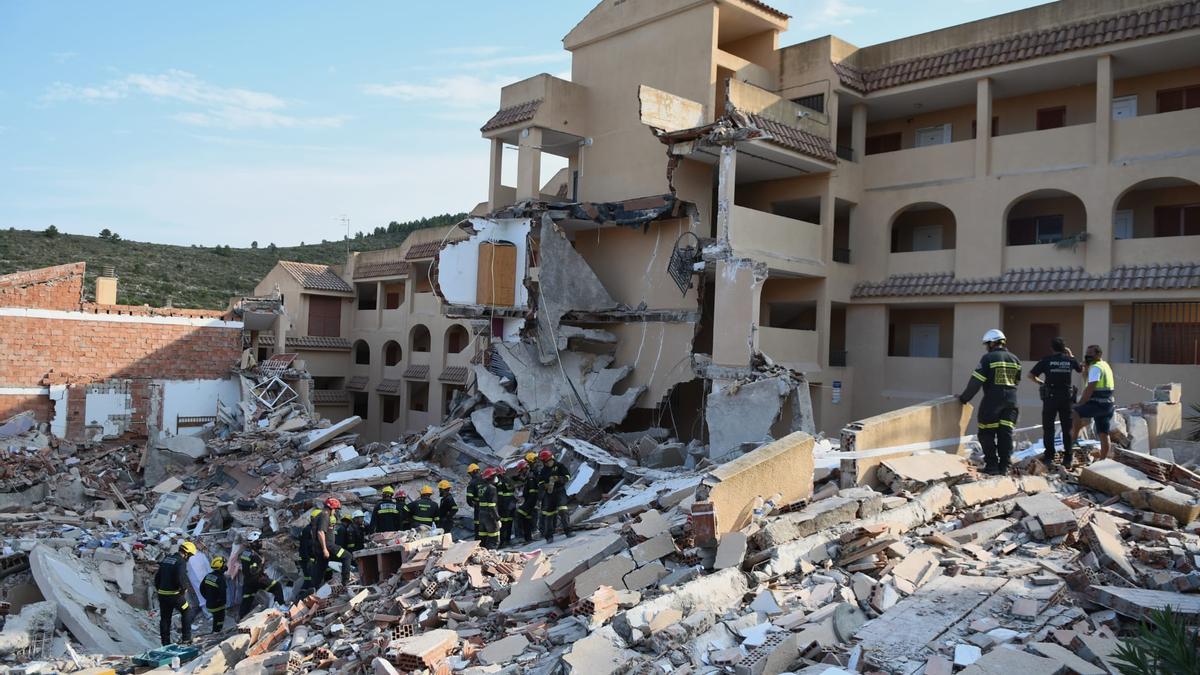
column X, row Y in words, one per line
column 776, row 555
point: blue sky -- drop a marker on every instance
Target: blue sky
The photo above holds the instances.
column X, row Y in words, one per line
column 224, row 122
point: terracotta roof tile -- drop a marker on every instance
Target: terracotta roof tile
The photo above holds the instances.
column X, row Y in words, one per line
column 767, row 8
column 1097, row 32
column 1052, row 280
column 300, row 342
column 521, row 112
column 454, row 375
column 424, row 250
column 329, row 397
column 358, row 383
column 390, row 268
column 794, row 139
column 389, row 386
column 316, row 277
column 416, row 372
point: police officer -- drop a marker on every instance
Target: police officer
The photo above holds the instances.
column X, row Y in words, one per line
column 473, row 482
column 423, row 511
column 998, row 374
column 212, row 589
column 386, row 516
column 485, row 510
column 171, row 583
column 254, row 574
column 552, row 482
column 1053, row 373
column 506, row 505
column 1098, row 401
column 325, row 548
column 528, row 510
column 447, row 507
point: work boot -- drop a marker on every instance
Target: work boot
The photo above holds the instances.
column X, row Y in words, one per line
column 991, row 469
column 1049, row 458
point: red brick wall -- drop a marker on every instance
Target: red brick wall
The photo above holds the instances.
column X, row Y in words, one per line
column 11, row 404
column 59, row 287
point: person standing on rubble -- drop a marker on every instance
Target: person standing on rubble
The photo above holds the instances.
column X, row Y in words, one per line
column 387, row 516
column 1097, row 403
column 529, row 497
column 325, row 548
column 506, row 505
column 213, row 590
column 552, row 481
column 172, row 585
column 998, row 374
column 423, row 511
column 254, row 574
column 447, row 507
column 305, row 549
column 473, row 482
column 350, row 538
column 486, row 511
column 1053, row 375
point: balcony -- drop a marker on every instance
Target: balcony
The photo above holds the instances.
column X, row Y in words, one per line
column 793, row 348
column 1161, row 134
column 1151, row 250
column 921, row 262
column 785, row 244
column 1044, row 256
column 543, row 101
column 1032, row 151
column 425, row 303
column 915, row 166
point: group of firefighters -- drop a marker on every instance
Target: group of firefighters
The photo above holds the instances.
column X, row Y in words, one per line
column 534, row 491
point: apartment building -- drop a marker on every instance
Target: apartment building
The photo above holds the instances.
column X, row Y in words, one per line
column 848, row 213
column 373, row 335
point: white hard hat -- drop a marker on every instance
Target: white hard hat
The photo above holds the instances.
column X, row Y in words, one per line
column 253, row 535
column 358, row 514
column 993, row 335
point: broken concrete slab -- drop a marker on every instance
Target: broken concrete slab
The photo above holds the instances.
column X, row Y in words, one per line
column 940, row 424
column 650, row 524
column 744, row 413
column 1139, row 602
column 503, row 650
column 188, row 446
column 318, row 437
column 609, row 572
column 1135, row 487
column 783, row 467
column 1066, row 657
column 645, row 576
column 1053, row 516
column 1004, row 661
column 652, row 549
column 601, row 653
column 817, row 516
column 731, row 551
column 716, row 592
column 915, row 472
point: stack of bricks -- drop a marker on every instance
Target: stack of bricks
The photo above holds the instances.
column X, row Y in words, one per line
column 423, row 651
column 599, row 607
column 778, row 650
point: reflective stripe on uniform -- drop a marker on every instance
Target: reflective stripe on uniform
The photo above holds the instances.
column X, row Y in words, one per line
column 216, row 609
column 1004, row 364
column 486, row 504
column 979, row 377
column 162, row 592
column 989, row 425
column 422, row 519
column 1006, row 423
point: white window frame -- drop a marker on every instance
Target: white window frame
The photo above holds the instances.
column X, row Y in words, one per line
column 1123, row 224
column 947, row 135
column 1122, row 100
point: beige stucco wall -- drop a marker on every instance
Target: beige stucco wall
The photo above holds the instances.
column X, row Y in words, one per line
column 1018, row 319
column 901, row 319
column 1143, row 201
column 903, row 226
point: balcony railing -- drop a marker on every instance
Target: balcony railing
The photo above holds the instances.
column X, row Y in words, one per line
column 784, row 243
column 787, row 345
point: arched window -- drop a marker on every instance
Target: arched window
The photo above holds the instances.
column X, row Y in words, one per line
column 419, row 339
column 1044, row 217
column 1159, row 207
column 392, row 353
column 362, row 353
column 926, row 226
column 457, row 338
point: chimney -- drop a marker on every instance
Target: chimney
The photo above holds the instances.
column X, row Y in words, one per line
column 106, row 286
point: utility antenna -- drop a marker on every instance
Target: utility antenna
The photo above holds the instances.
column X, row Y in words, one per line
column 346, row 221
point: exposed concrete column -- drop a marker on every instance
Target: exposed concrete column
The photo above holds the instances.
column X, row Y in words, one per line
column 824, row 316
column 831, row 111
column 380, row 301
column 866, row 354
column 971, row 321
column 1104, row 96
column 280, row 329
column 1097, row 323
column 726, row 189
column 858, row 131
column 1098, row 248
column 983, row 126
column 495, row 172
column 738, row 290
column 529, row 164
column 828, row 213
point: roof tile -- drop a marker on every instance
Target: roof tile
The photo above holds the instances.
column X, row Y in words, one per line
column 521, row 112
column 316, row 277
column 416, row 372
column 389, row 268
column 301, row 342
column 1053, row 280
column 454, row 375
column 423, row 250
column 358, row 383
column 792, row 138
column 386, row 386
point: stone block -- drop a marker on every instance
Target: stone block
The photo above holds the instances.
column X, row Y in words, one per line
column 610, row 572
column 657, row 547
column 731, row 551
column 645, row 576
column 783, row 467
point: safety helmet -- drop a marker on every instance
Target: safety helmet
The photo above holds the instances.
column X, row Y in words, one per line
column 388, row 490
column 488, row 473
column 545, row 455
column 253, row 535
column 187, row 548
column 346, row 516
column 531, row 457
column 994, row 335
column 472, row 468
column 444, row 485
column 217, row 563
column 426, row 490
column 333, row 503
column 358, row 514
column 500, row 470
column 402, row 494
column 522, row 465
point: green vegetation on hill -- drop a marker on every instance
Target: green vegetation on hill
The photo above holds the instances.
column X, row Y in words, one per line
column 196, row 277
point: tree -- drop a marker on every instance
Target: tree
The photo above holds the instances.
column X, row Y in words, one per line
column 105, row 233
column 114, row 237
column 254, row 244
column 271, row 247
column 51, row 231
column 379, row 230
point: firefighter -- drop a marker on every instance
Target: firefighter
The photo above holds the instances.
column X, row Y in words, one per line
column 325, row 548
column 171, row 583
column 552, row 481
column 386, row 516
column 447, row 507
column 998, row 374
column 473, row 481
column 527, row 511
column 1053, row 375
column 423, row 511
column 304, row 546
column 349, row 536
column 212, row 589
column 1096, row 403
column 485, row 510
column 254, row 574
column 506, row 504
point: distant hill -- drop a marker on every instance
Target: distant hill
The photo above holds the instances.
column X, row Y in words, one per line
column 195, row 277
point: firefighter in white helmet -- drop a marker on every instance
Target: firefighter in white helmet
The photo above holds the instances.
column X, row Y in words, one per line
column 998, row 374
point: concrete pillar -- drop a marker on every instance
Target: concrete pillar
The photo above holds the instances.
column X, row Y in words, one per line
column 831, row 111
column 380, row 301
column 280, row 329
column 737, row 308
column 866, row 359
column 824, row 314
column 495, row 172
column 529, row 164
column 828, row 206
column 1097, row 323
column 858, row 131
column 983, row 126
column 1104, row 96
column 726, row 188
column 1098, row 247
column 971, row 321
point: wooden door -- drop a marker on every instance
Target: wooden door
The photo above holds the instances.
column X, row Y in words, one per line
column 497, row 275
